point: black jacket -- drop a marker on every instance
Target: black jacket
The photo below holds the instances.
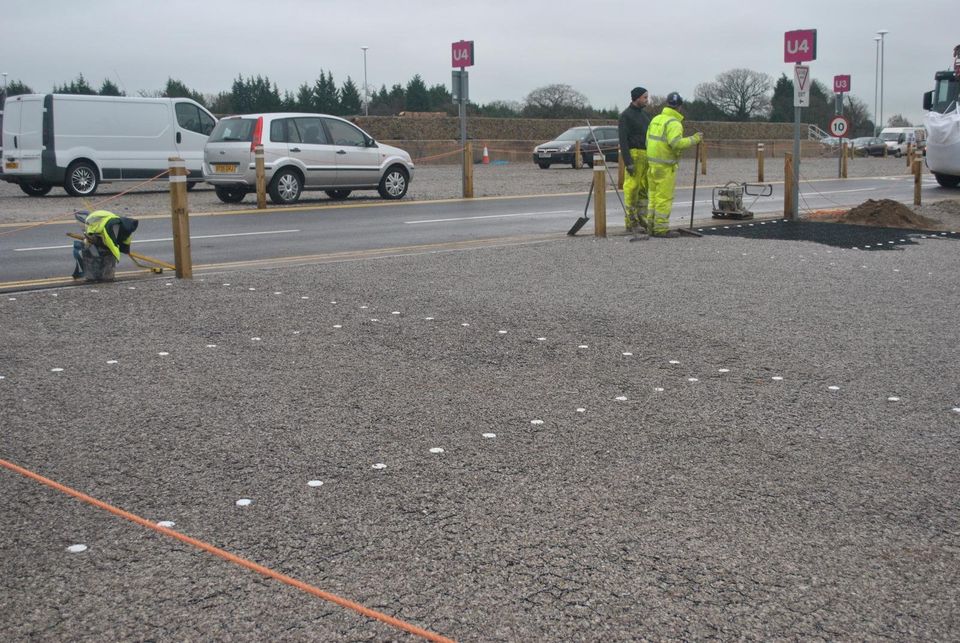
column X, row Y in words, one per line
column 633, row 131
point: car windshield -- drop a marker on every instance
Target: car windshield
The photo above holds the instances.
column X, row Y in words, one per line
column 575, row 134
column 233, row 129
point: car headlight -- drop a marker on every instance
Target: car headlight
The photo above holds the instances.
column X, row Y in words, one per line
column 566, row 148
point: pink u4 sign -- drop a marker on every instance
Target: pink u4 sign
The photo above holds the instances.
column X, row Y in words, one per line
column 462, row 53
column 800, row 46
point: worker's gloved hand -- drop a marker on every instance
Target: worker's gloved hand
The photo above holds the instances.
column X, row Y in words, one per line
column 630, row 169
column 698, row 138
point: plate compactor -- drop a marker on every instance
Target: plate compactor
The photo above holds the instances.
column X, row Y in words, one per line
column 728, row 199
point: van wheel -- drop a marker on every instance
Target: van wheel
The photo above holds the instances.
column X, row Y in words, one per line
column 338, row 195
column 36, row 189
column 285, row 187
column 81, row 179
column 394, row 183
column 229, row 195
column 947, row 180
column 898, row 154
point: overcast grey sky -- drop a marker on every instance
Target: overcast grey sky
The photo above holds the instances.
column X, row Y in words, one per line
column 601, row 48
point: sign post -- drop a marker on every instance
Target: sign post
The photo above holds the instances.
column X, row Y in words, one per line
column 840, row 128
column 799, row 46
column 841, row 85
column 461, row 55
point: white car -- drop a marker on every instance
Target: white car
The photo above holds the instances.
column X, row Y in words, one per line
column 301, row 152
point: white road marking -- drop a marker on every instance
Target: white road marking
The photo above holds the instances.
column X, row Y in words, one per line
column 139, row 242
column 490, row 216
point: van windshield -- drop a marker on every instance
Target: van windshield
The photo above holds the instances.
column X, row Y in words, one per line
column 233, row 130
column 890, row 136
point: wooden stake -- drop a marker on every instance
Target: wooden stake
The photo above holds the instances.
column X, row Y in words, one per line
column 917, row 180
column 179, row 217
column 468, row 170
column 599, row 197
column 703, row 158
column 577, row 161
column 788, row 185
column 843, row 161
column 261, row 178
column 760, row 156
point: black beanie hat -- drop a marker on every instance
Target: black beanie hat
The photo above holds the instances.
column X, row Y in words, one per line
column 637, row 92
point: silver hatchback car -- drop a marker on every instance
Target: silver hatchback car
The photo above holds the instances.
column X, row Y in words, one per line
column 301, row 152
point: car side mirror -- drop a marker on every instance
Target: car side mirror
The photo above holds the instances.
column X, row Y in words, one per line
column 371, row 143
column 928, row 100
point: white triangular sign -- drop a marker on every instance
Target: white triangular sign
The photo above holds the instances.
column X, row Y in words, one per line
column 802, row 74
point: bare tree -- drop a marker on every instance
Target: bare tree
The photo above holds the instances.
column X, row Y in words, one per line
column 898, row 120
column 555, row 101
column 741, row 94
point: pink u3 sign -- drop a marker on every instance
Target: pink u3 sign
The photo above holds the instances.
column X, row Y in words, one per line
column 800, row 46
column 462, row 53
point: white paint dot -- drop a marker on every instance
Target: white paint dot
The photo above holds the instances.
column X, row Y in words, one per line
column 723, row 370
column 3, row 377
column 536, row 421
column 56, row 370
column 251, row 288
column 363, row 307
column 76, row 549
column 674, row 361
column 111, row 361
column 581, row 410
column 211, row 345
column 428, row 318
column 777, row 378
column 436, row 450
column 57, row 295
column 396, row 312
column 489, row 436
column 94, row 290
column 893, row 399
column 464, row 324
column 627, row 354
column 12, row 299
column 338, row 326
column 658, row 389
column 255, row 339
column 502, row 332
column 315, row 483
column 277, row 292
column 166, row 523
column 333, row 302
column 304, row 298
column 244, row 502
column 621, row 398
column 379, row 465
column 374, row 319
column 583, row 346
column 956, row 409
column 692, row 379
column 296, row 332
column 833, row 388
column 226, row 284
column 168, row 284
column 163, row 353
column 541, row 339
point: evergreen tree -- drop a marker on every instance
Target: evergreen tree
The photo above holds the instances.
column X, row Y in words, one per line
column 18, row 88
column 350, row 101
column 221, row 104
column 380, row 102
column 326, row 99
column 440, row 97
column 304, row 100
column 782, row 101
column 78, row 86
column 176, row 89
column 108, row 88
column 417, row 97
column 289, row 102
column 396, row 99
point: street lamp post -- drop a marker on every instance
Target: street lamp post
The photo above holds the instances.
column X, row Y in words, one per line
column 881, row 33
column 366, row 100
column 876, row 88
column 4, row 88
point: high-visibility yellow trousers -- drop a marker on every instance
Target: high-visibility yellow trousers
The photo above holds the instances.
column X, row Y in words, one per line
column 662, row 180
column 635, row 189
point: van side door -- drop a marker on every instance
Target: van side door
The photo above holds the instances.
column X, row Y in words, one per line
column 358, row 157
column 193, row 127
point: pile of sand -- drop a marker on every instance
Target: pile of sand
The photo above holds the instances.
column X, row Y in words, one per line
column 886, row 213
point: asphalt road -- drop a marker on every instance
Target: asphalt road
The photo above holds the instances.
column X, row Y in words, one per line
column 41, row 253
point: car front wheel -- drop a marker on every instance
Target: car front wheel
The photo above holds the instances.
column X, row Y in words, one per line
column 229, row 195
column 82, row 179
column 544, row 165
column 394, row 183
column 36, row 189
column 285, row 187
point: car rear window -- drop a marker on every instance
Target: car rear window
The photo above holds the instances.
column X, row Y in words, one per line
column 232, row 130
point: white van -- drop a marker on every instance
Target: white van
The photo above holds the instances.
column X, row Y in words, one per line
column 897, row 139
column 80, row 141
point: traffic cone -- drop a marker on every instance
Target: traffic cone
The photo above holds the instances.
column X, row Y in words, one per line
column 486, row 156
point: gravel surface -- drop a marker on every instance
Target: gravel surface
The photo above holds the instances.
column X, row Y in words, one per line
column 766, row 448
column 429, row 182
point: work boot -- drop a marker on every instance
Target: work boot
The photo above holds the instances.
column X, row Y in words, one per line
column 670, row 234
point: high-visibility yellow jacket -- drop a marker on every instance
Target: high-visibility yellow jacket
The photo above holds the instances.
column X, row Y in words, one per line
column 665, row 139
column 97, row 223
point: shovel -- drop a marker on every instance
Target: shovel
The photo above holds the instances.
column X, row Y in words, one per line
column 582, row 221
column 693, row 199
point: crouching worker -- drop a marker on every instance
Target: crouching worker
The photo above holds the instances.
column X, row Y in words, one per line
column 106, row 236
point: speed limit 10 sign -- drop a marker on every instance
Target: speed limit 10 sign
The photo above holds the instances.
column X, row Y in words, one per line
column 839, row 126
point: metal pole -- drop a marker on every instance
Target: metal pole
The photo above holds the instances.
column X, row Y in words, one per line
column 882, row 32
column 796, row 162
column 366, row 99
column 876, row 85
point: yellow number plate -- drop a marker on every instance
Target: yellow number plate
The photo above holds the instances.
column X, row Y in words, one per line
column 224, row 168
column 11, row 165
